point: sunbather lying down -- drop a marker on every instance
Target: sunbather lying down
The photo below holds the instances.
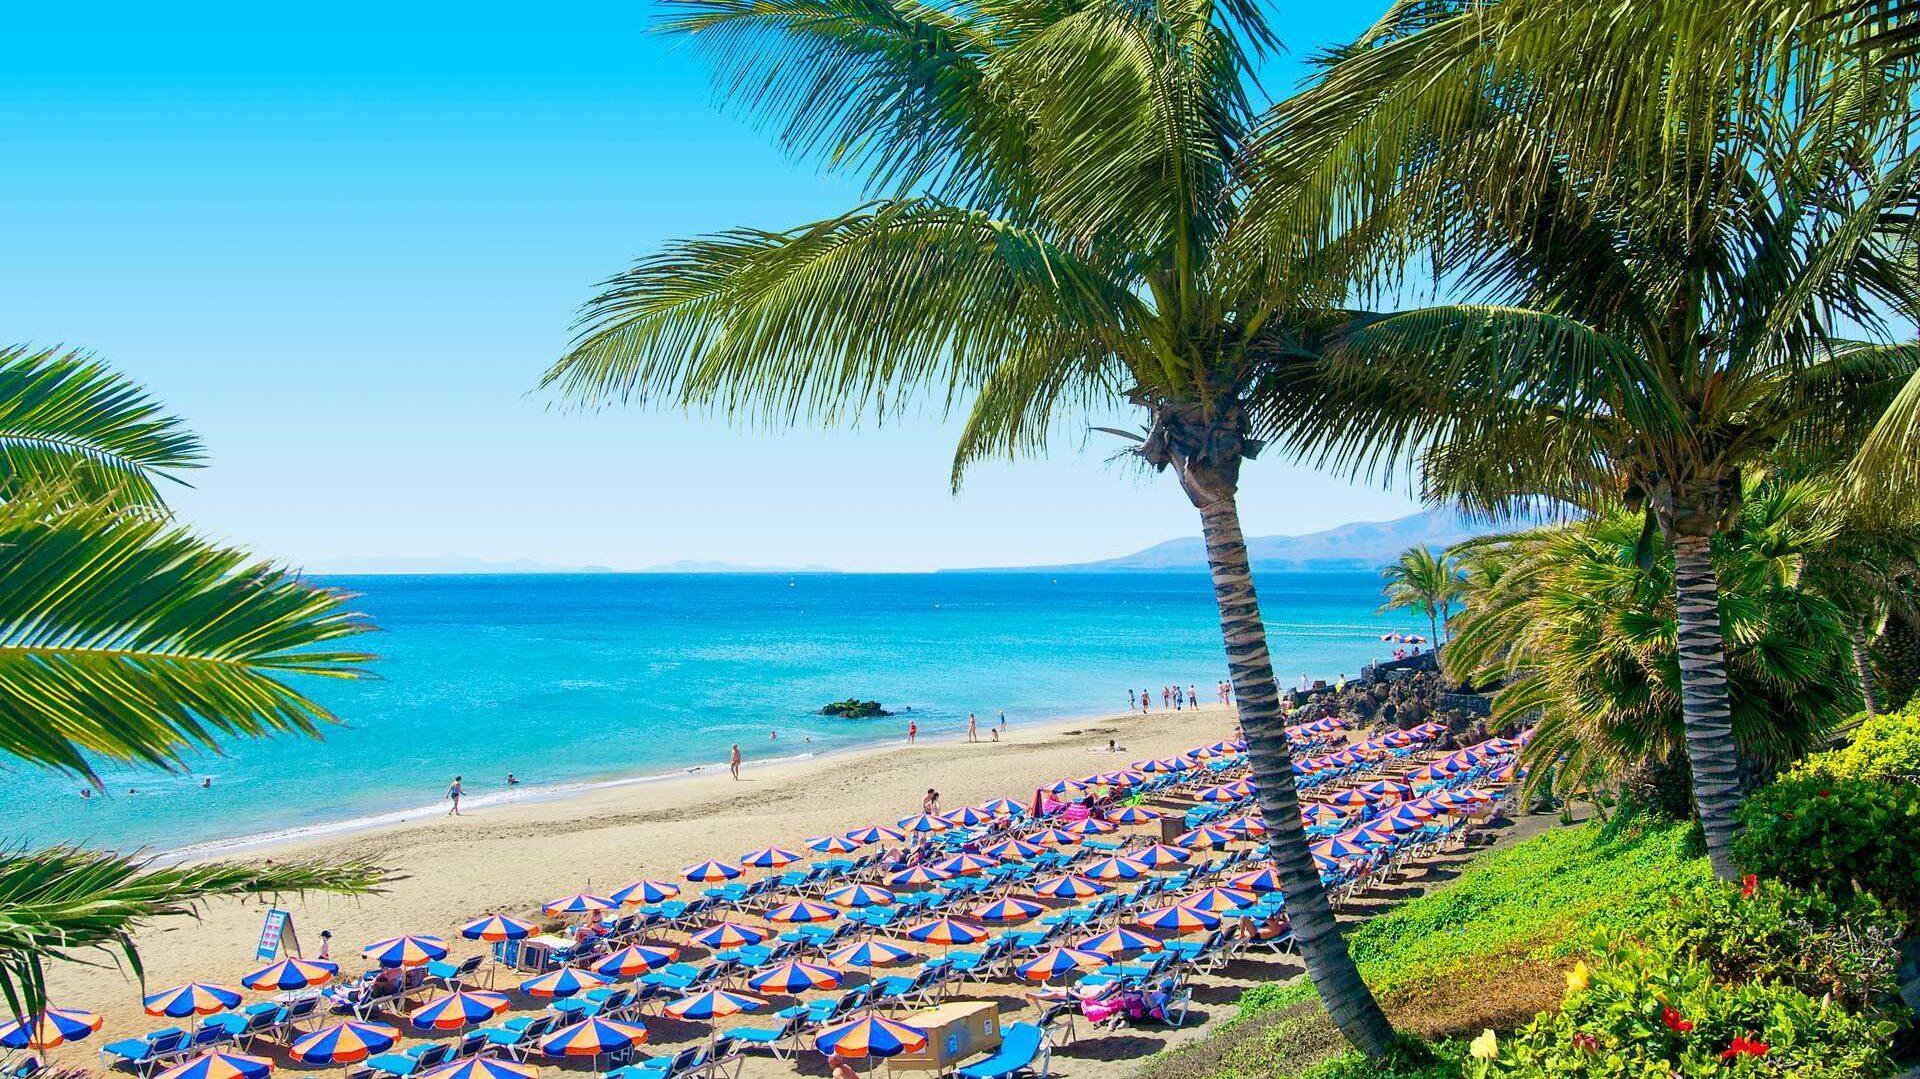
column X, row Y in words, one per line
column 1272, row 928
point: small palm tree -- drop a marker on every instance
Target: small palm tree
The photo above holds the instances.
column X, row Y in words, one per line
column 1054, row 186
column 1423, row 580
column 124, row 637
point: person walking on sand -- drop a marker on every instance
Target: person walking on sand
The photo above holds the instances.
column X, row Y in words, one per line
column 1166, row 697
column 913, row 730
column 1146, row 702
column 453, row 796
column 1193, row 699
column 973, row 728
column 733, row 761
column 1003, row 719
column 1131, row 703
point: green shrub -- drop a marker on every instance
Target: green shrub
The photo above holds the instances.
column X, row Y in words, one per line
column 1884, row 747
column 1841, row 837
column 1410, row 1058
column 1641, row 1015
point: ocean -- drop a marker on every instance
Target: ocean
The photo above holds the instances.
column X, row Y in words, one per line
column 585, row 679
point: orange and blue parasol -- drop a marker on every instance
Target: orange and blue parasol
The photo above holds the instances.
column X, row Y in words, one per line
column 854, row 896
column 577, row 903
column 1118, row 941
column 917, row 876
column 872, row 1036
column 641, row 892
column 343, row 1043
column 729, row 935
column 1178, row 919
column 803, row 911
column 1055, row 962
column 869, row 953
column 832, row 844
column 406, row 951
column 193, row 998
column 876, row 833
column 498, row 927
column 962, row 865
column 635, row 960
column 1259, row 880
column 923, row 823
column 713, row 1004
column 946, row 932
column 1013, row 850
column 291, row 973
column 1006, row 910
column 795, row 977
column 1134, row 815
column 220, row 1064
column 710, row 870
column 563, row 983
column 1219, row 900
column 1069, row 886
column 1114, row 868
column 1160, row 855
column 458, row 1009
column 484, row 1067
column 46, row 1029
column 770, row 858
column 592, row 1038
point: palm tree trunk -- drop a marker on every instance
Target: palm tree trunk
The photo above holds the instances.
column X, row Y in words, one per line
column 1347, row 999
column 1703, row 699
column 1863, row 666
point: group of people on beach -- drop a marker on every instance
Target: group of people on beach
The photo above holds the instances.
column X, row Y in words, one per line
column 1172, row 697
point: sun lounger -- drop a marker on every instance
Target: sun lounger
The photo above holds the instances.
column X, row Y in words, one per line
column 1024, row 1051
column 152, row 1047
column 773, row 1038
column 415, row 1060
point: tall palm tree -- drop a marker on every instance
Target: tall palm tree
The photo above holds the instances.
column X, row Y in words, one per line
column 125, row 637
column 1659, row 305
column 1053, row 180
column 1422, row 580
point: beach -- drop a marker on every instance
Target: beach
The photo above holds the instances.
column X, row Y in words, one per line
column 514, row 856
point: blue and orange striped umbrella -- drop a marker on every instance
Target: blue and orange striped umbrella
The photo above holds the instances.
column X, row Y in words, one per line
column 729, row 935
column 498, row 927
column 483, row 1067
column 46, row 1029
column 1069, row 886
column 770, row 858
column 967, row 817
column 946, row 932
column 291, row 973
column 635, row 960
column 1321, row 813
column 1353, row 798
column 1217, row 794
column 795, row 977
column 563, row 983
column 962, row 865
column 871, row 1036
column 1178, row 919
column 1219, row 900
column 577, row 903
column 1055, row 962
column 343, row 1043
column 1014, row 850
column 1134, row 815
column 803, row 911
column 923, row 823
column 1207, row 836
column 1119, row 941
column 641, row 892
column 1246, row 827
column 1006, row 910
column 1243, row 787
column 1002, row 807
column 1114, row 868
column 917, row 876
column 193, row 998
column 832, row 844
column 710, row 870
column 220, row 1064
column 1160, row 855
column 1259, row 880
column 876, row 833
column 1340, row 846
column 593, row 1037
column 869, row 953
column 1091, row 826
column 1065, row 786
column 406, row 951
column 713, row 1004
column 458, row 1009
column 1054, row 837
column 855, row 896
column 1389, row 788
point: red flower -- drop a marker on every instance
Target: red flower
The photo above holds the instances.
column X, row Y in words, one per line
column 1674, row 1021
column 1826, row 794
column 1749, row 884
column 1745, row 1047
column 1587, row 1042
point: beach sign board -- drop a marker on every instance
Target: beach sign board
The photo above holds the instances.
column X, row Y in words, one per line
column 275, row 932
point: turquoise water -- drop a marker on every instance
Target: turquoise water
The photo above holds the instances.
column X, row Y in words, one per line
column 579, row 679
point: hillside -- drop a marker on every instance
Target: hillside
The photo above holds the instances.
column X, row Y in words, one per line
column 1358, row 545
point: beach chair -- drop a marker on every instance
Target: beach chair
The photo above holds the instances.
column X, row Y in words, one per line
column 453, row 975
column 1056, row 1021
column 904, row 989
column 685, row 1062
column 141, row 1052
column 1024, row 1052
column 415, row 1060
column 775, row 1039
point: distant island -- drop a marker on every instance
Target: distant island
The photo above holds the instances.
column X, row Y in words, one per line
column 465, row 564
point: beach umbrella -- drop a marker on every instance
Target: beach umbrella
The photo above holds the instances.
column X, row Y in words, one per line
column 876, row 833
column 1013, row 850
column 1259, row 880
column 713, row 1004
column 1114, row 868
column 641, row 892
column 406, row 951
column 1206, row 836
column 832, row 844
column 46, row 1029
column 855, row 896
column 498, row 927
column 923, row 823
column 793, row 978
column 967, row 817
column 193, row 998
column 1389, row 788
column 1006, row 910
column 918, row 875
column 1320, row 813
column 291, row 973
column 769, row 858
column 729, row 935
column 1246, row 827
column 871, row 1036
column 1086, row 826
column 1065, row 786
column 1002, row 807
column 562, row 983
column 1219, row 900
column 803, row 911
column 220, row 1064
column 947, row 932
column 484, row 1067
column 1054, row 837
column 1069, row 886
column 1178, row 919
column 577, row 903
column 460, row 1008
column 1340, row 846
column 593, row 1037
column 1118, row 941
column 1353, row 798
column 1134, row 815
column 1507, row 772
column 961, row 865
column 869, row 953
column 1057, row 961
column 1160, row 855
column 709, row 871
column 1218, row 794
column 343, row 1043
column 635, row 960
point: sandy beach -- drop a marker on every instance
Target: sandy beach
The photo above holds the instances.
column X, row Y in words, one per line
column 513, row 857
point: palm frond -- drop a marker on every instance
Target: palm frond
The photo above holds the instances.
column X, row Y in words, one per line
column 68, row 420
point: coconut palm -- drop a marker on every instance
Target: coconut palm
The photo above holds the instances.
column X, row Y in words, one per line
column 1422, row 580
column 1658, row 312
column 1053, row 180
column 125, row 637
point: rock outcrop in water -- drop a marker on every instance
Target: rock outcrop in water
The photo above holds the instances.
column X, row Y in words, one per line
column 855, row 708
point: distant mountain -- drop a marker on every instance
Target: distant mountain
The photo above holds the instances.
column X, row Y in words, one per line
column 1361, row 545
column 689, row 565
column 446, row 563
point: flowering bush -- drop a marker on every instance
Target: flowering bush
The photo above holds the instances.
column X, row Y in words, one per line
column 1636, row 1015
column 1841, row 837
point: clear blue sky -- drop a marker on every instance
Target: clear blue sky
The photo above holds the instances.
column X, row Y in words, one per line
column 343, row 241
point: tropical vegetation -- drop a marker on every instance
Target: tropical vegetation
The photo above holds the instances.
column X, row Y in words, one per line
column 125, row 637
column 1426, row 581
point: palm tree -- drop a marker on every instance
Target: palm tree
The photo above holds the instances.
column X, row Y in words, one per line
column 1658, row 303
column 125, row 637
column 1421, row 580
column 1053, row 182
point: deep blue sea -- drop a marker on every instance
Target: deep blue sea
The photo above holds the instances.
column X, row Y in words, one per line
column 581, row 679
